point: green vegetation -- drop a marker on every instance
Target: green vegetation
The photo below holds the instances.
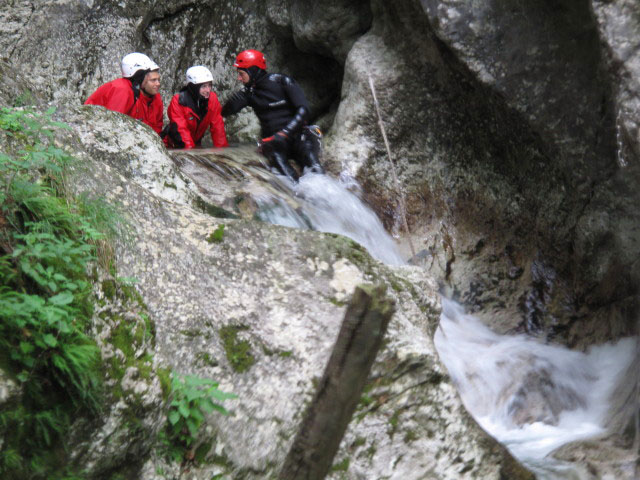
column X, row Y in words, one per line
column 238, row 351
column 280, row 353
column 54, row 249
column 191, row 398
column 341, row 466
column 47, row 241
column 205, row 358
column 25, row 98
column 210, row 209
column 217, row 235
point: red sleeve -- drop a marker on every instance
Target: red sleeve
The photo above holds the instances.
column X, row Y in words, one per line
column 114, row 96
column 120, row 100
column 156, row 114
column 177, row 114
column 218, row 135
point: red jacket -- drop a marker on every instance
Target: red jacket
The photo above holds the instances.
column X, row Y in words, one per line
column 117, row 95
column 186, row 128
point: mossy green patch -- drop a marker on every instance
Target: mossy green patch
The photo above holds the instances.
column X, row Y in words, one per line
column 365, row 400
column 191, row 333
column 358, row 442
column 341, row 466
column 336, row 302
column 109, row 288
column 202, row 451
column 393, row 422
column 217, row 235
column 410, row 436
column 205, row 359
column 24, row 99
column 280, row 353
column 238, row 351
column 164, row 376
column 211, row 209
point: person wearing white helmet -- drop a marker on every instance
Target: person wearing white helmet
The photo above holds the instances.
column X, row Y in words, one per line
column 193, row 110
column 136, row 93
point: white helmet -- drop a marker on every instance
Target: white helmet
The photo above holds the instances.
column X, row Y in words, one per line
column 199, row 74
column 133, row 62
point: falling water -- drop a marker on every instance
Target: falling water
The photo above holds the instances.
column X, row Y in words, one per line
column 328, row 205
column 317, row 202
column 532, row 397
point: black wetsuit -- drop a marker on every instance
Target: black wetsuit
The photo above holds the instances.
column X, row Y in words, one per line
column 281, row 107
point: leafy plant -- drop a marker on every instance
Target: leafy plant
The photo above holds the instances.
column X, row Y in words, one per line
column 47, row 242
column 192, row 398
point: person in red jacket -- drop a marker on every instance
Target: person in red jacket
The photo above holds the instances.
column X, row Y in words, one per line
column 136, row 93
column 195, row 109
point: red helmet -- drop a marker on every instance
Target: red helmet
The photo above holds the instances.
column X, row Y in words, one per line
column 249, row 58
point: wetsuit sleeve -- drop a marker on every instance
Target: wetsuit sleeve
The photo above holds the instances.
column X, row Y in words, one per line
column 298, row 100
column 297, row 122
column 177, row 115
column 237, row 102
column 218, row 135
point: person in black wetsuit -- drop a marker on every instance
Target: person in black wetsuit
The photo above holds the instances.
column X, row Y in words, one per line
column 282, row 110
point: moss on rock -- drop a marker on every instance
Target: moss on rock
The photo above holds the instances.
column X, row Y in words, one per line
column 238, row 351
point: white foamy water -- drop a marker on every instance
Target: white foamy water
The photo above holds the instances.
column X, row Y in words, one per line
column 532, row 397
column 327, row 205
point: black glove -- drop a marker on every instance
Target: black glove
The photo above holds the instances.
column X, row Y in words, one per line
column 274, row 141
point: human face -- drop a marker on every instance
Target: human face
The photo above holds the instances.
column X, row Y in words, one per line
column 205, row 90
column 243, row 76
column 151, row 83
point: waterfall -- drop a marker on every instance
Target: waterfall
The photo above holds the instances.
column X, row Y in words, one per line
column 531, row 397
column 328, row 205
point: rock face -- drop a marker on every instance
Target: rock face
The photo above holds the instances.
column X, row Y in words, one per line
column 514, row 130
column 507, row 187
column 279, row 293
column 513, row 126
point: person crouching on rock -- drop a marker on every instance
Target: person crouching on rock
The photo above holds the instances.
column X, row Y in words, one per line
column 193, row 110
column 282, row 110
column 136, row 93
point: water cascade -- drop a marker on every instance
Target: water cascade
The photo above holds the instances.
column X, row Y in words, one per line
column 532, row 397
column 327, row 205
column 317, row 202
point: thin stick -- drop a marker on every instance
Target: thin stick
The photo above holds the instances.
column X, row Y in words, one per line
column 403, row 209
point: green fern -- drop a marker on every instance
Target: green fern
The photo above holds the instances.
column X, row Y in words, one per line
column 48, row 239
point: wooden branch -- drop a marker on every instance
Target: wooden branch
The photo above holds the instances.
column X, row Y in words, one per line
column 363, row 328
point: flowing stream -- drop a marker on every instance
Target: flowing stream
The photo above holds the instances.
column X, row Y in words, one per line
column 532, row 397
column 329, row 206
